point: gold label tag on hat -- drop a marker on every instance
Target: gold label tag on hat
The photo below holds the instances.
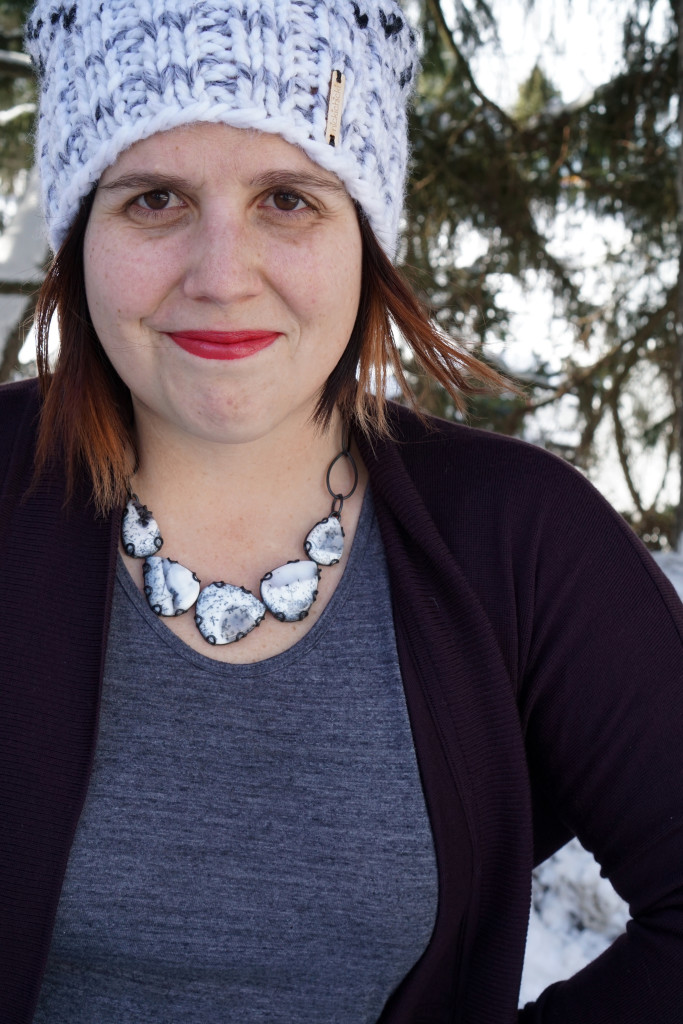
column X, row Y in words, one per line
column 335, row 105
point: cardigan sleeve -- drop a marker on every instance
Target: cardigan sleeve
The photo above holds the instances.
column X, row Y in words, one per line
column 550, row 647
column 601, row 703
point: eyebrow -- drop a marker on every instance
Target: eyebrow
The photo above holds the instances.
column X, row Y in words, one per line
column 146, row 182
column 286, row 178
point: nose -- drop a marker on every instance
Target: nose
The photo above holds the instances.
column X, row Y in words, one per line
column 223, row 260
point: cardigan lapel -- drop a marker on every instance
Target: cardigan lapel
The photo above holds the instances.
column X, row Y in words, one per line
column 451, row 664
column 57, row 581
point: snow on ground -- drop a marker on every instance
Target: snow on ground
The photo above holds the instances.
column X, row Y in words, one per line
column 672, row 564
column 575, row 913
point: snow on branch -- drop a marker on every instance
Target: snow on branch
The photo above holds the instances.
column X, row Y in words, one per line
column 17, row 64
column 7, row 116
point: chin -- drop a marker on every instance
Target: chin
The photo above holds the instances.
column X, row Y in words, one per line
column 236, row 429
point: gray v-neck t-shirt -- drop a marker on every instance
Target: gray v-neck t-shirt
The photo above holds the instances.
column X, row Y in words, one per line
column 255, row 844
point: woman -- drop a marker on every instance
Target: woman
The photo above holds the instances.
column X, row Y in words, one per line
column 235, row 788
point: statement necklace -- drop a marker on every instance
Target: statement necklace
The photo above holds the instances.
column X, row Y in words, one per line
column 225, row 613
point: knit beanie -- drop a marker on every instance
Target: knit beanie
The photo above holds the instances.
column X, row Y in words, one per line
column 330, row 76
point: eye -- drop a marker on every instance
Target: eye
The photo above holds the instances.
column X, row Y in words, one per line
column 286, row 202
column 157, row 199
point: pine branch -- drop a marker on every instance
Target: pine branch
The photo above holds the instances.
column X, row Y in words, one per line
column 16, row 339
column 19, row 287
column 679, row 306
column 594, row 418
column 435, row 7
column 437, row 170
column 13, row 113
column 622, row 452
column 670, row 448
column 17, row 64
column 636, row 340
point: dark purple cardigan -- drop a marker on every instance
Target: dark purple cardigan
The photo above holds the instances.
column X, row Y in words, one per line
column 541, row 654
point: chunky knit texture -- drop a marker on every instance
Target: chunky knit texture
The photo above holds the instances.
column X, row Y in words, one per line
column 115, row 72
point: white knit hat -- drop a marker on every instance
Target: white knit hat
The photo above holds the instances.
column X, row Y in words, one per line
column 113, row 72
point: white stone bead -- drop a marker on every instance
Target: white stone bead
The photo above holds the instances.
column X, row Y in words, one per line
column 170, row 587
column 139, row 531
column 226, row 613
column 325, row 542
column 290, row 590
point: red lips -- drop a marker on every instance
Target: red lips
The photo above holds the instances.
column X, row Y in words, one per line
column 223, row 344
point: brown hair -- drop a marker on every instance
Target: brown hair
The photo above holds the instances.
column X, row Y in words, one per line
column 87, row 412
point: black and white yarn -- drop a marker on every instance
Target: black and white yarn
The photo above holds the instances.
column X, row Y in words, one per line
column 113, row 72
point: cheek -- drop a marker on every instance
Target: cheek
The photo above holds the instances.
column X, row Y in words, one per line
column 338, row 297
column 325, row 287
column 97, row 277
column 120, row 285
column 108, row 282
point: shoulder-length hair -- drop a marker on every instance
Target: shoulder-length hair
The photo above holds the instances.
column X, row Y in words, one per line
column 87, row 412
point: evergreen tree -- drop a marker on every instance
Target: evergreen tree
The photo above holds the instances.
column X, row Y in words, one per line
column 510, row 176
column 23, row 256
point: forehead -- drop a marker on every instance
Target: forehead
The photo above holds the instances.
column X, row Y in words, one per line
column 217, row 149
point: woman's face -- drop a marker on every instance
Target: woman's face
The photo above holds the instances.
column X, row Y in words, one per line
column 222, row 271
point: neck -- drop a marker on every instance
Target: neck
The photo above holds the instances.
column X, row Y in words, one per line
column 285, row 466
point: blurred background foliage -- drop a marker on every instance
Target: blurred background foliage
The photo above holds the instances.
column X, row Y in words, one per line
column 17, row 97
column 513, row 180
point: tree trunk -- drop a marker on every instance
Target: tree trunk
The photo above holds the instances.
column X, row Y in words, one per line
column 23, row 250
column 679, row 302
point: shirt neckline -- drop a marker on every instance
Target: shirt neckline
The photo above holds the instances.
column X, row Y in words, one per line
column 276, row 662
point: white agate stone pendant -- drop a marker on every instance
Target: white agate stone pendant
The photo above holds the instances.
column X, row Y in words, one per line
column 225, row 613
column 171, row 589
column 290, row 590
column 139, row 531
column 325, row 542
